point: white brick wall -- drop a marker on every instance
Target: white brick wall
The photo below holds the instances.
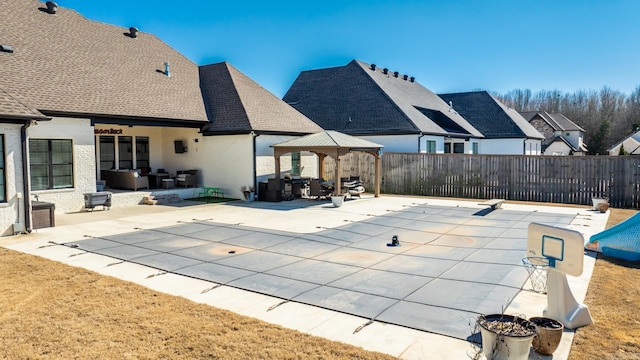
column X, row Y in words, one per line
column 80, row 132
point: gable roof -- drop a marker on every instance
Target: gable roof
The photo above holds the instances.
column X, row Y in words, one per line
column 65, row 63
column 557, row 121
column 358, row 100
column 563, row 140
column 238, row 105
column 12, row 109
column 631, row 145
column 492, row 118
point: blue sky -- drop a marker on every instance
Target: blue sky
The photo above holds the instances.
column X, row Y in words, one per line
column 449, row 46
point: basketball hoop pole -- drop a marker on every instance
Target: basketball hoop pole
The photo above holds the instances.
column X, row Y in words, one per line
column 562, row 305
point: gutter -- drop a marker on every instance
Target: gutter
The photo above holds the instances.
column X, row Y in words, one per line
column 25, row 177
column 420, row 136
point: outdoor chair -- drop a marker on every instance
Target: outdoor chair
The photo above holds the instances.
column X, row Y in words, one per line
column 186, row 180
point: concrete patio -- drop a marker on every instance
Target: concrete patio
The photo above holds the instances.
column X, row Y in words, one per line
column 328, row 271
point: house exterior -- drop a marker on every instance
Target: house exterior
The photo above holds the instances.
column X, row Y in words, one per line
column 79, row 98
column 561, row 135
column 630, row 145
column 505, row 130
column 381, row 106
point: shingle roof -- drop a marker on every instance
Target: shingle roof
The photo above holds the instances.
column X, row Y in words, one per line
column 557, row 121
column 357, row 100
column 66, row 63
column 562, row 139
column 11, row 108
column 490, row 116
column 237, row 104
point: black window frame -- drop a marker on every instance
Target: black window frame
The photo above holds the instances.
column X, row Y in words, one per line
column 52, row 164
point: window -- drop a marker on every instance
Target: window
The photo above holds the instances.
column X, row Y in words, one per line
column 107, row 153
column 447, row 148
column 51, row 164
column 125, row 153
column 474, row 148
column 142, row 152
column 431, row 146
column 3, row 184
column 458, row 148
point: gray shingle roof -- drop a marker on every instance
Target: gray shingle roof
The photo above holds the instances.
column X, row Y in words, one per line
column 490, row 116
column 237, row 104
column 359, row 101
column 66, row 63
column 11, row 108
column 557, row 121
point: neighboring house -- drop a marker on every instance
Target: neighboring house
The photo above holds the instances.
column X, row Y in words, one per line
column 561, row 135
column 381, row 106
column 104, row 97
column 630, row 145
column 505, row 130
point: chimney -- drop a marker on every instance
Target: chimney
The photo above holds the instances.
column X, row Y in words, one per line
column 373, row 67
column 51, row 7
column 166, row 69
column 395, row 74
column 133, row 32
column 385, row 71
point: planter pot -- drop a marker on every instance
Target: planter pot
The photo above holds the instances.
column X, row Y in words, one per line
column 603, row 207
column 506, row 337
column 337, row 201
column 548, row 335
column 597, row 201
column 249, row 196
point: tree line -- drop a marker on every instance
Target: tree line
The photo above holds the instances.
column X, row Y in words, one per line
column 607, row 116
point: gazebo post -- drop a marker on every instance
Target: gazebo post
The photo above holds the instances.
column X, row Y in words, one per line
column 336, row 181
column 276, row 155
column 320, row 165
column 377, row 175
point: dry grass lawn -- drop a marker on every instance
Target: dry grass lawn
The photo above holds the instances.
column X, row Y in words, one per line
column 613, row 299
column 51, row 310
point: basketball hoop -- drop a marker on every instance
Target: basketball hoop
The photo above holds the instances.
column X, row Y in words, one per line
column 537, row 269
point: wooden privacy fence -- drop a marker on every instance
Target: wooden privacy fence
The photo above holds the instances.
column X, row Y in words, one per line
column 558, row 179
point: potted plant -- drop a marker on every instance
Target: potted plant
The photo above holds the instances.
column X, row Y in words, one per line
column 248, row 193
column 337, row 200
column 506, row 336
column 548, row 335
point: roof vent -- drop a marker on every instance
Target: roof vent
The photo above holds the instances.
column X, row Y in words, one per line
column 51, row 7
column 405, row 77
column 373, row 67
column 385, row 71
column 6, row 48
column 412, row 79
column 133, row 32
column 166, row 69
column 395, row 74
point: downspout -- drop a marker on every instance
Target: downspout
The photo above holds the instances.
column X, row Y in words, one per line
column 420, row 136
column 255, row 170
column 25, row 177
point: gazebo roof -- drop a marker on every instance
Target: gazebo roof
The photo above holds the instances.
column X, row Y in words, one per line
column 329, row 139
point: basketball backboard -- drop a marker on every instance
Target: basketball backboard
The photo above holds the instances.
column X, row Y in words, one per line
column 563, row 247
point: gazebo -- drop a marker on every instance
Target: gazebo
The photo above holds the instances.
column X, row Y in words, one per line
column 330, row 143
